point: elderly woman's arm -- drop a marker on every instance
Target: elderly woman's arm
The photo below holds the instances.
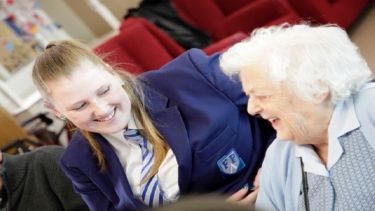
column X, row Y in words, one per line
column 265, row 198
column 281, row 179
column 364, row 103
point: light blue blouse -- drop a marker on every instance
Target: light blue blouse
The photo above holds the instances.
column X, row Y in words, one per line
column 280, row 182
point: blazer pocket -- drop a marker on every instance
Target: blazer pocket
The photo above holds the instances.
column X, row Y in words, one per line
column 218, row 145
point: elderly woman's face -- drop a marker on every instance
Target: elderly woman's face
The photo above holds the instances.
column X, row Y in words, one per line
column 292, row 117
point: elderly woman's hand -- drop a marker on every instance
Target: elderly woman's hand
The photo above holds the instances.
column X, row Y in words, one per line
column 244, row 197
column 247, row 196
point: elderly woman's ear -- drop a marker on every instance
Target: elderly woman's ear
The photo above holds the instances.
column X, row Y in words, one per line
column 324, row 93
column 322, row 97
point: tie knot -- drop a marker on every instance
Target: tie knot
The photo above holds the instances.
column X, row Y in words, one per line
column 134, row 135
column 131, row 134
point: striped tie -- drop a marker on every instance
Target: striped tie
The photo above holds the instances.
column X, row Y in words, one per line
column 150, row 190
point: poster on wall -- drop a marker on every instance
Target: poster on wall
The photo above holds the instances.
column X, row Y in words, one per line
column 24, row 31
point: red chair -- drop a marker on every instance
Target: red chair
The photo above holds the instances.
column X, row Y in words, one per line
column 222, row 18
column 140, row 46
column 218, row 46
column 225, row 43
column 340, row 12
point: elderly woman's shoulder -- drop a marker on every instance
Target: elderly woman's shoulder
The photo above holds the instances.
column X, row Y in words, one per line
column 364, row 103
column 280, row 149
column 367, row 90
column 365, row 97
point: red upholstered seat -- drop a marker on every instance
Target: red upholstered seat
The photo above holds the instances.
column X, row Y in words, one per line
column 140, row 46
column 340, row 12
column 222, row 18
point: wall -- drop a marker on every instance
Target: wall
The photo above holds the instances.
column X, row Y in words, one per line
column 120, row 7
column 94, row 21
column 363, row 33
column 59, row 11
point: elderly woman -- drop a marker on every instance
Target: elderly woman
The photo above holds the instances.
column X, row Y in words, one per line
column 314, row 87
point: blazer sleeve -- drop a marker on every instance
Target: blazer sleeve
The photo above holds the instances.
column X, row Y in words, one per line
column 89, row 192
column 194, row 67
column 209, row 67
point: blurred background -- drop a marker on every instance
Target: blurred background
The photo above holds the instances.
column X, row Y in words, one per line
column 140, row 36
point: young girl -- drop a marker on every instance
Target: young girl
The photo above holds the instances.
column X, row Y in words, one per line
column 146, row 141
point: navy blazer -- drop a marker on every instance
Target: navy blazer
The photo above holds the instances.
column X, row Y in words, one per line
column 202, row 115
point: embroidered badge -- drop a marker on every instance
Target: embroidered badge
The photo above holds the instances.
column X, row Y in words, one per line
column 230, row 163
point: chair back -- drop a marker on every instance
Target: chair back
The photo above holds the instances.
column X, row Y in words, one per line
column 139, row 46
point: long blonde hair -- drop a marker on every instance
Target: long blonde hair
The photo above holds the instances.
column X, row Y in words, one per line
column 60, row 59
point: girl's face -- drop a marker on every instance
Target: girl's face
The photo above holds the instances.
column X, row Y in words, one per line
column 92, row 98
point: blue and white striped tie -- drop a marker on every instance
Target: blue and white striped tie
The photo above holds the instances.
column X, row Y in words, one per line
column 150, row 190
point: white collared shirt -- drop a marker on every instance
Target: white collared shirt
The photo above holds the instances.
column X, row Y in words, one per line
column 130, row 156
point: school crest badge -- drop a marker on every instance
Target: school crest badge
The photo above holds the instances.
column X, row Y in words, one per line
column 230, row 163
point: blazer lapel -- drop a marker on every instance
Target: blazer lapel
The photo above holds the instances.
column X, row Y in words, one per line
column 116, row 176
column 170, row 124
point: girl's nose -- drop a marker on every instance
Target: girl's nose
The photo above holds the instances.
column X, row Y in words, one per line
column 101, row 109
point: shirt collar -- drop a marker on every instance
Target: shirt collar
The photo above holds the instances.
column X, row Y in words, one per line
column 344, row 120
column 133, row 124
column 310, row 160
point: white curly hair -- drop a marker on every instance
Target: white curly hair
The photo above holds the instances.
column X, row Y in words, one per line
column 306, row 57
